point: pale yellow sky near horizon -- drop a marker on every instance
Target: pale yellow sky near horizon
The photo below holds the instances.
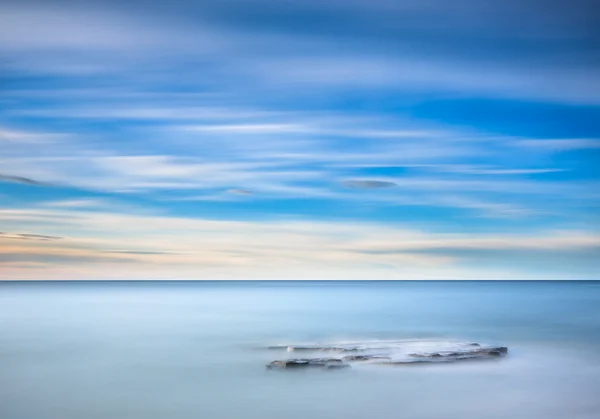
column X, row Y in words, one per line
column 74, row 243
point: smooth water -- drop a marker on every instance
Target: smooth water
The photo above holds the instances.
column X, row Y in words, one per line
column 145, row 350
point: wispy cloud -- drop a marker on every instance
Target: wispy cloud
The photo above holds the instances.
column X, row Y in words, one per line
column 560, row 144
column 75, row 203
column 270, row 54
column 20, row 179
column 27, row 236
column 483, row 170
column 302, row 246
column 150, row 113
column 138, row 252
column 26, row 137
column 368, row 184
column 464, row 119
column 239, row 191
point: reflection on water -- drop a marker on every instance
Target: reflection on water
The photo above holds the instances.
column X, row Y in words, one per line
column 196, row 350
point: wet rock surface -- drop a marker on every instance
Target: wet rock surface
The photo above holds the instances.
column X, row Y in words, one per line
column 399, row 352
column 358, row 358
column 308, row 362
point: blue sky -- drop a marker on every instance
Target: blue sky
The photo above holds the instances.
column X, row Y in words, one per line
column 263, row 139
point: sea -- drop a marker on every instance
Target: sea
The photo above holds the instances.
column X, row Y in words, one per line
column 198, row 350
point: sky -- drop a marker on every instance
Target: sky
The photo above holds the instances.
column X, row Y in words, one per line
column 313, row 139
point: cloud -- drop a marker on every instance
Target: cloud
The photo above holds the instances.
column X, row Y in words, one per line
column 76, row 203
column 238, row 51
column 172, row 165
column 219, row 101
column 209, row 249
column 138, row 252
column 239, row 191
column 546, row 241
column 483, row 170
column 50, row 259
column 415, row 74
column 488, row 208
column 131, row 173
column 26, row 236
column 250, row 128
column 20, row 179
column 367, row 184
column 39, row 27
column 26, row 137
column 560, row 144
column 154, row 113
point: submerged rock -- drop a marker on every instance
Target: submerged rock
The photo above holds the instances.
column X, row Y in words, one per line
column 308, row 362
column 336, row 365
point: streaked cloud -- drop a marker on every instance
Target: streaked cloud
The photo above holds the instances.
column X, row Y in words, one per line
column 368, row 184
column 239, row 191
column 25, row 137
column 476, row 170
column 356, row 139
column 27, row 236
column 75, row 203
column 20, row 179
column 137, row 252
column 560, row 144
column 377, row 53
column 301, row 247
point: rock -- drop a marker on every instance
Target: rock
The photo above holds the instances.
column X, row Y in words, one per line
column 336, row 365
column 479, row 353
column 308, row 362
column 353, row 358
column 401, row 352
column 287, row 364
column 501, row 350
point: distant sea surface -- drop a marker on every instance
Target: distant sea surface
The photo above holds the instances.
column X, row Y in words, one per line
column 183, row 350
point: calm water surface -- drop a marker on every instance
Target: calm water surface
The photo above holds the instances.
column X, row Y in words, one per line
column 182, row 350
